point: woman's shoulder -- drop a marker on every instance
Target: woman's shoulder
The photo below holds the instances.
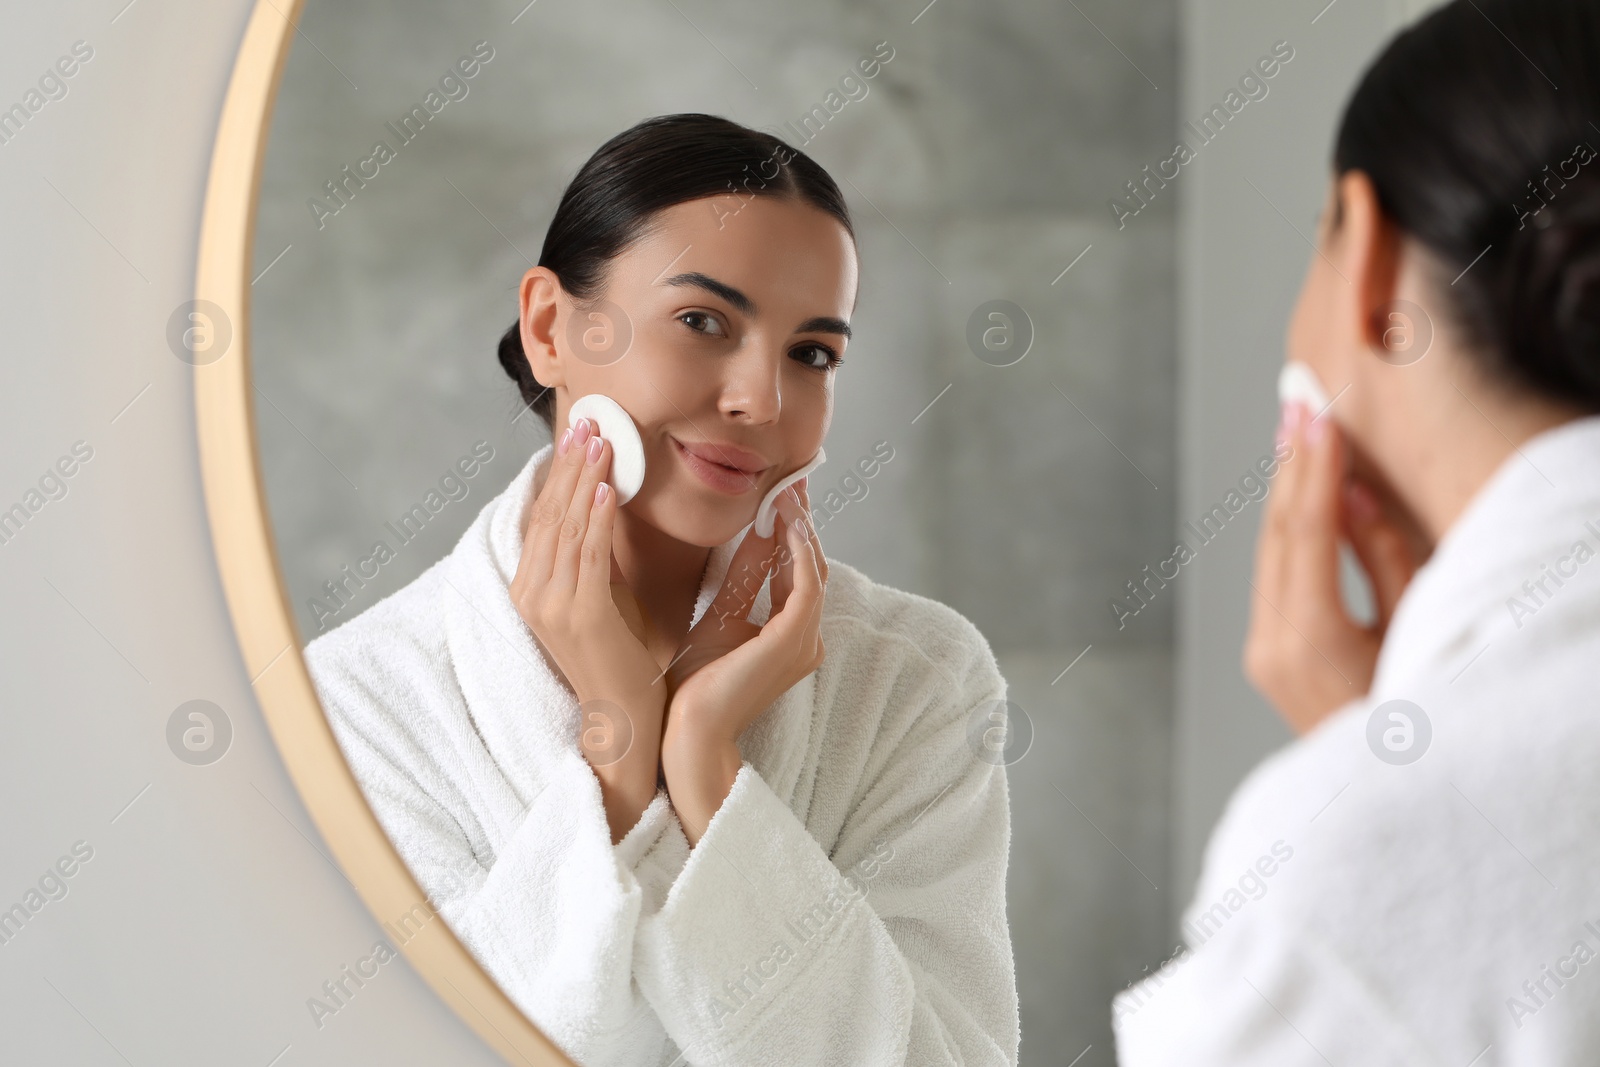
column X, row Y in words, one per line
column 1409, row 760
column 387, row 684
column 1417, row 828
column 380, row 669
column 870, row 618
column 1397, row 803
column 402, row 626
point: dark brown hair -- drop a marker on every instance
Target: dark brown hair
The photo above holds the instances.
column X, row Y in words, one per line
column 1472, row 125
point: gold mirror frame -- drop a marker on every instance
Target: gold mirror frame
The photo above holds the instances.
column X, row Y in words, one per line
column 247, row 559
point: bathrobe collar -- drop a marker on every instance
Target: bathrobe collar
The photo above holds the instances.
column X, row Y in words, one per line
column 1537, row 505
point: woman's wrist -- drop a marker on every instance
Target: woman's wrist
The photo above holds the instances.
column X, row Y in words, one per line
column 626, row 790
column 622, row 742
column 700, row 767
column 624, row 805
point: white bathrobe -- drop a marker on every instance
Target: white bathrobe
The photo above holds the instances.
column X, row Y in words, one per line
column 846, row 904
column 1356, row 911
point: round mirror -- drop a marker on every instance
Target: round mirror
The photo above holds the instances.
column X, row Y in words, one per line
column 955, row 297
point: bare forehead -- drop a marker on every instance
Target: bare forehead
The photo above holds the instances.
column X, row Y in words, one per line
column 735, row 227
column 774, row 250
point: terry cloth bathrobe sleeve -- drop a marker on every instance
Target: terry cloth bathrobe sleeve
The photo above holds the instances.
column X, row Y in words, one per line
column 891, row 945
column 846, row 904
column 528, row 879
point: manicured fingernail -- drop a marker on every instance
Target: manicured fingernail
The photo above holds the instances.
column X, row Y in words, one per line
column 593, row 453
column 601, row 491
column 565, row 442
column 1317, row 431
column 581, row 432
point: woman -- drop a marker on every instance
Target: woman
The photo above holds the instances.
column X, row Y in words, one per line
column 1414, row 881
column 771, row 841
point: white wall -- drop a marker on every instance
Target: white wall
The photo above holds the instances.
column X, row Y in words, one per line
column 207, row 914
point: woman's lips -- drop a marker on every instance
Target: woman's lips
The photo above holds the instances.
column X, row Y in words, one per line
column 721, row 478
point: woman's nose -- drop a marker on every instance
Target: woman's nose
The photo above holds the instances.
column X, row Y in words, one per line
column 753, row 386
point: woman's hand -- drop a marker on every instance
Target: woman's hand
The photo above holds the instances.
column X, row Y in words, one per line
column 730, row 670
column 563, row 591
column 1304, row 652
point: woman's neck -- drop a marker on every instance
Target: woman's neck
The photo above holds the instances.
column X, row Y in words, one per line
column 1456, row 446
column 663, row 573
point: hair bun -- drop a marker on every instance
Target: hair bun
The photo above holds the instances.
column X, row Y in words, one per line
column 1551, row 288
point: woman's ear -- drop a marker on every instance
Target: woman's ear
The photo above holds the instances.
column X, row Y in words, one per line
column 541, row 298
column 1369, row 256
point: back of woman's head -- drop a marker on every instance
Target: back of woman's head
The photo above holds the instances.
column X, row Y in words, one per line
column 654, row 165
column 1477, row 127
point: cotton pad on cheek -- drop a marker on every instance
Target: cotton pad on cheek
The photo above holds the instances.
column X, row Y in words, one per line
column 627, row 447
column 766, row 514
column 1297, row 381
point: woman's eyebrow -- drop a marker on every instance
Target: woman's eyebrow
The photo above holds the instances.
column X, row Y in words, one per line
column 825, row 324
column 710, row 284
column 816, row 324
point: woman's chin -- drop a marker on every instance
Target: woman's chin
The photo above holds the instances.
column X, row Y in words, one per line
column 710, row 535
column 694, row 524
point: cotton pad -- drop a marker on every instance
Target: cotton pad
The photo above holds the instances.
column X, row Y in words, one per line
column 766, row 514
column 1297, row 381
column 616, row 426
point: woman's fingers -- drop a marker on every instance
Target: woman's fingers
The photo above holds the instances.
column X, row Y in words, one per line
column 804, row 496
column 806, row 570
column 811, row 528
column 783, row 582
column 726, row 687
column 1303, row 652
column 1271, row 645
column 1271, row 549
column 1382, row 548
column 746, row 571
column 569, row 537
column 594, row 566
column 808, row 588
column 549, row 508
column 1312, row 561
column 783, row 577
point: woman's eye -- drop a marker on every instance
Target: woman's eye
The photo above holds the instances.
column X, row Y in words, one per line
column 701, row 322
column 810, row 354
